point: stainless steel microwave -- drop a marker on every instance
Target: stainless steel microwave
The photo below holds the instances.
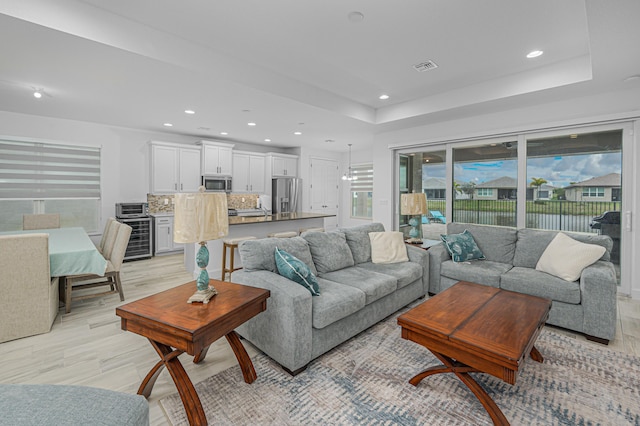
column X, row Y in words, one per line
column 217, row 183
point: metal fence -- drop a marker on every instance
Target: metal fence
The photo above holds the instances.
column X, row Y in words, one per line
column 563, row 215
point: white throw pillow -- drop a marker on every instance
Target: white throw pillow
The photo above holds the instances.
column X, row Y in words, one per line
column 388, row 247
column 565, row 257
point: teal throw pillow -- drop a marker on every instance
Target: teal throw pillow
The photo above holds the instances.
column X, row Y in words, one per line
column 462, row 247
column 296, row 270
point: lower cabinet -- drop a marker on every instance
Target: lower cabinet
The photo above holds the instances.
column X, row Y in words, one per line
column 163, row 236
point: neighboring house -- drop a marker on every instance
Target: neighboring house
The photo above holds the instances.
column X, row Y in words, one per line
column 601, row 188
column 545, row 192
column 503, row 188
column 434, row 188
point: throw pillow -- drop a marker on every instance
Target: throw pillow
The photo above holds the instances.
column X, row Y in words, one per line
column 388, row 247
column 565, row 257
column 462, row 247
column 296, row 270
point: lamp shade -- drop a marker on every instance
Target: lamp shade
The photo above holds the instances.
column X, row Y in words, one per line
column 413, row 204
column 200, row 216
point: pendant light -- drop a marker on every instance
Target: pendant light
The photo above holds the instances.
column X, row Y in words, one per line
column 349, row 174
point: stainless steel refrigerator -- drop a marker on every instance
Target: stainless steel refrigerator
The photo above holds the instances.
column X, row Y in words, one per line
column 285, row 193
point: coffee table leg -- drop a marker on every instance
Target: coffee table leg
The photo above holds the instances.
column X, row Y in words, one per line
column 246, row 365
column 462, row 372
column 188, row 394
column 536, row 355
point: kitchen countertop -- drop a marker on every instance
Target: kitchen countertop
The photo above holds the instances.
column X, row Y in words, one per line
column 278, row 217
column 161, row 214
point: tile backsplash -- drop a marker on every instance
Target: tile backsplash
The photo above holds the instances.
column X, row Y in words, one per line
column 164, row 203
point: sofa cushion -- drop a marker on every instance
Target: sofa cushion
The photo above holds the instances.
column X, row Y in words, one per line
column 329, row 251
column 536, row 283
column 533, row 242
column 358, row 240
column 296, row 270
column 405, row 273
column 565, row 257
column 373, row 284
column 336, row 301
column 485, row 272
column 257, row 255
column 497, row 243
column 462, row 247
column 388, row 247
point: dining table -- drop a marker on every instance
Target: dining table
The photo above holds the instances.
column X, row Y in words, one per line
column 71, row 251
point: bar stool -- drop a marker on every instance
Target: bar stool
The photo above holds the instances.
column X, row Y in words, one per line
column 232, row 244
column 285, row 234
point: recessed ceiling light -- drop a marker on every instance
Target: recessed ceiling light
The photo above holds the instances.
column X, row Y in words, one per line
column 267, row 140
column 383, row 97
column 251, row 123
column 355, row 17
column 168, row 125
column 224, row 133
column 297, row 133
column 534, row 54
column 189, row 111
column 37, row 94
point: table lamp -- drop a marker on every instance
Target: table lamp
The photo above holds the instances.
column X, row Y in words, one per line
column 198, row 218
column 414, row 205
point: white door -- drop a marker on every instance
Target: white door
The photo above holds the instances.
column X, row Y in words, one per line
column 323, row 191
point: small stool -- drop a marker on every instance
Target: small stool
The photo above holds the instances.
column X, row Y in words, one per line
column 286, row 234
column 231, row 243
column 302, row 230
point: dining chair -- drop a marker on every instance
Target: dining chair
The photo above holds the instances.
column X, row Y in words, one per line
column 114, row 254
column 40, row 221
column 108, row 235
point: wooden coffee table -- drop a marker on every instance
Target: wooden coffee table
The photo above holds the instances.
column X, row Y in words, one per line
column 169, row 322
column 475, row 328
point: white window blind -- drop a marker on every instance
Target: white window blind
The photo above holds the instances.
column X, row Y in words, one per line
column 40, row 171
column 364, row 183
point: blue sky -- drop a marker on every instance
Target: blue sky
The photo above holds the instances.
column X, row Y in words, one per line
column 559, row 171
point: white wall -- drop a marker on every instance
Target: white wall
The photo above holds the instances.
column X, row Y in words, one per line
column 586, row 110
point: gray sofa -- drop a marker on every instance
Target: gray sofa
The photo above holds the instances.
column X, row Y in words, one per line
column 354, row 292
column 587, row 306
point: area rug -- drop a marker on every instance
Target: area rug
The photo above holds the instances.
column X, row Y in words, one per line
column 365, row 382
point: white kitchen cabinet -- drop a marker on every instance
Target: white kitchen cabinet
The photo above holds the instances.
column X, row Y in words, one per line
column 163, row 235
column 174, row 168
column 284, row 165
column 248, row 172
column 217, row 158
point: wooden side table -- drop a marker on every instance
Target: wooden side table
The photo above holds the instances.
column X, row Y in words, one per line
column 174, row 326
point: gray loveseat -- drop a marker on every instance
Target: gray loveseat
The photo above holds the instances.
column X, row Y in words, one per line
column 354, row 292
column 587, row 306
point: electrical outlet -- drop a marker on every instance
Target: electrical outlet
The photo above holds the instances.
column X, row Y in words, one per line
column 243, row 199
column 166, row 201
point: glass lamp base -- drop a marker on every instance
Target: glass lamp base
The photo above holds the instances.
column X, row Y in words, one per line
column 203, row 296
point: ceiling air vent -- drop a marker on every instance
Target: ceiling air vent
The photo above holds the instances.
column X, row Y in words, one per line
column 425, row 66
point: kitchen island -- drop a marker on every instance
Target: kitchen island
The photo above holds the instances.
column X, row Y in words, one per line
column 257, row 226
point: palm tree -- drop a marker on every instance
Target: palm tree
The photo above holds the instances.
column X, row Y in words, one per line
column 537, row 183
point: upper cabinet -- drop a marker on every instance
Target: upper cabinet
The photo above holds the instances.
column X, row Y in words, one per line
column 248, row 172
column 284, row 165
column 217, row 158
column 174, row 168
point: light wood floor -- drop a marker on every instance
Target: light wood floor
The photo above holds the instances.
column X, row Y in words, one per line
column 87, row 346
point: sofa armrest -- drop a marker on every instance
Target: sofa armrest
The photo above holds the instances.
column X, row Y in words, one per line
column 437, row 255
column 283, row 331
column 598, row 286
column 420, row 256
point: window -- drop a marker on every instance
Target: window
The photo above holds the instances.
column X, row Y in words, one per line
column 592, row 192
column 485, row 192
column 49, row 178
column 362, row 191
